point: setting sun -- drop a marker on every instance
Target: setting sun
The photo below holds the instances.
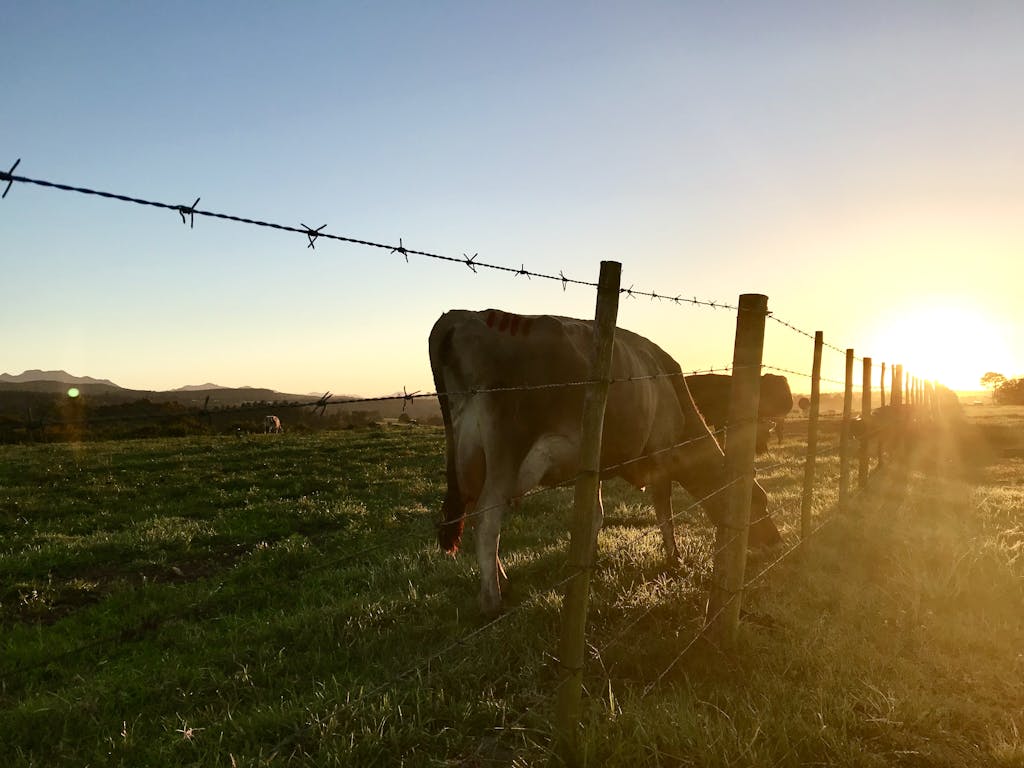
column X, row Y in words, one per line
column 953, row 343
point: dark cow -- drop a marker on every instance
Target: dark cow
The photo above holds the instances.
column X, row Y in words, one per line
column 502, row 444
column 710, row 392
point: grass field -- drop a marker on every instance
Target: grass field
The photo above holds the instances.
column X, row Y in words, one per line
column 279, row 600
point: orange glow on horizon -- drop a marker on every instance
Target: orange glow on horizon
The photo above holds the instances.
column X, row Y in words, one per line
column 953, row 343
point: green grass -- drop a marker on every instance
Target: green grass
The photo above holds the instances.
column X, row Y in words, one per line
column 279, row 600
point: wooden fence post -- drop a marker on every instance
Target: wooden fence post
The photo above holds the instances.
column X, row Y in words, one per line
column 881, row 387
column 865, row 424
column 583, row 536
column 844, row 435
column 807, row 499
column 896, row 397
column 730, row 559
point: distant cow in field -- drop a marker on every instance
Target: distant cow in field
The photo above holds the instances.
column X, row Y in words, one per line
column 711, row 392
column 804, row 405
column 501, row 444
column 272, row 425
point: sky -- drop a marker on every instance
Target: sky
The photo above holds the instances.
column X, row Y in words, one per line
column 858, row 163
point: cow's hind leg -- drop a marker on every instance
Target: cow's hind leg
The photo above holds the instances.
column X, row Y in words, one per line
column 491, row 509
column 661, row 494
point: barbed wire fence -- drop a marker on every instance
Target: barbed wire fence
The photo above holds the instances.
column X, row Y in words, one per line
column 728, row 586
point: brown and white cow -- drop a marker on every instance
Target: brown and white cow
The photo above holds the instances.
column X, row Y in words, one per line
column 272, row 425
column 502, row 444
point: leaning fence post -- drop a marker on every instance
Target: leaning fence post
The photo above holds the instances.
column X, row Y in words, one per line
column 812, row 439
column 730, row 560
column 865, row 423
column 844, row 435
column 583, row 535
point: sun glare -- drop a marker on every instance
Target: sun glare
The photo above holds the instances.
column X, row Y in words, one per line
column 951, row 344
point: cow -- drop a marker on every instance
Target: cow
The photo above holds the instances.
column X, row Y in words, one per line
column 710, row 393
column 508, row 431
column 272, row 425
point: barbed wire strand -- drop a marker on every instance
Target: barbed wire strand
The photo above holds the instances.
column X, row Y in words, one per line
column 189, row 212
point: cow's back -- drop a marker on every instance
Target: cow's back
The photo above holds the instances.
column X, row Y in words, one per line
column 499, row 375
column 544, row 363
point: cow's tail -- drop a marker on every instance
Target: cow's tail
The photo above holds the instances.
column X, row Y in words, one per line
column 453, row 518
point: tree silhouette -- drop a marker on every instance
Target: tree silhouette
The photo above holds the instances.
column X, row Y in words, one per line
column 993, row 380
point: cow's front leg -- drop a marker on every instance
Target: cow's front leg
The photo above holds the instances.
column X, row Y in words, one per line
column 488, row 533
column 661, row 494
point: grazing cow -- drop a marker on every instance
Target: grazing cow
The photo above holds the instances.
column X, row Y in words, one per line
column 711, row 394
column 272, row 425
column 502, row 444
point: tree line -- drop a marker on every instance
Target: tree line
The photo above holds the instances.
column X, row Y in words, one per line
column 1005, row 391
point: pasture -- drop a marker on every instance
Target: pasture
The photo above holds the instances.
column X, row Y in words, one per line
column 280, row 600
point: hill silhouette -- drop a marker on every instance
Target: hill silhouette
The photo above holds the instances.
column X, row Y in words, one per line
column 34, row 407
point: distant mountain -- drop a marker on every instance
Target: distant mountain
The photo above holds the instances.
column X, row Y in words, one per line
column 62, row 376
column 198, row 387
column 31, row 388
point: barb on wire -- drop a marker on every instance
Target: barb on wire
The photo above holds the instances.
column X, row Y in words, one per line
column 402, row 250
column 9, row 178
column 321, row 404
column 190, row 211
column 313, row 234
column 408, row 397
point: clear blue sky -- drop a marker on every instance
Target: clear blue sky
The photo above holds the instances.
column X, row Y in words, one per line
column 859, row 163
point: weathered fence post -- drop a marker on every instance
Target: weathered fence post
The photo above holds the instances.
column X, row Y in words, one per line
column 881, row 404
column 730, row 559
column 865, row 424
column 844, row 435
column 896, row 397
column 812, row 439
column 583, row 535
